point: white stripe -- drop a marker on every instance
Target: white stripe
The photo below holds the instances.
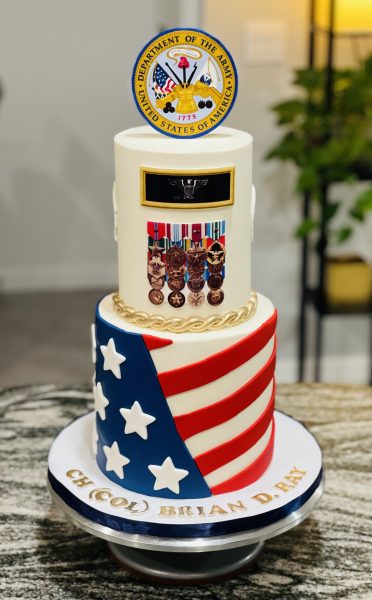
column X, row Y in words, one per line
column 239, row 464
column 210, row 438
column 210, row 393
column 182, row 354
column 190, row 348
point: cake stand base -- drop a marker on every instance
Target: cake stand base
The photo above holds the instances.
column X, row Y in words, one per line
column 186, row 541
column 185, row 568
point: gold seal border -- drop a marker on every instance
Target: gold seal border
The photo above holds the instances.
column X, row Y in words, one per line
column 140, row 86
column 190, row 324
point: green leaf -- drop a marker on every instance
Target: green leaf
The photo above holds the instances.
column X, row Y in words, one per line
column 306, row 227
column 289, row 148
column 291, row 109
column 343, row 234
column 362, row 206
column 308, row 180
column 330, row 210
column 310, row 79
column 356, row 214
column 329, row 146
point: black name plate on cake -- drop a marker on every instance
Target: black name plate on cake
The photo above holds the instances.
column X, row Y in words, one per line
column 191, row 189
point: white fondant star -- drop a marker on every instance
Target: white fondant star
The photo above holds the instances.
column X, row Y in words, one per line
column 115, row 460
column 94, row 342
column 167, row 475
column 100, row 400
column 94, row 436
column 136, row 421
column 112, row 358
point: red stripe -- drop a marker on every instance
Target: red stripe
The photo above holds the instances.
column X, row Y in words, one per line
column 150, row 228
column 220, row 455
column 152, row 342
column 223, row 410
column 209, row 369
column 161, row 228
column 251, row 473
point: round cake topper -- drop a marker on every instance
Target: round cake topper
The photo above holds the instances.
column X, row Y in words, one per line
column 184, row 82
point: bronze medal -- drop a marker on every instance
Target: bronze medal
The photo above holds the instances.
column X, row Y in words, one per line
column 196, row 298
column 156, row 267
column 156, row 250
column 215, row 269
column 176, row 278
column 156, row 296
column 176, row 299
column 196, row 256
column 196, row 271
column 176, row 257
column 157, row 283
column 196, row 284
column 176, row 285
column 215, row 282
column 176, row 273
column 215, row 297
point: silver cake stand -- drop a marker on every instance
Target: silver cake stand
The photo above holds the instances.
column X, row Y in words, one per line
column 190, row 558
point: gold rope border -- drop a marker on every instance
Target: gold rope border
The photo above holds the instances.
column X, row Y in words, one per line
column 189, row 324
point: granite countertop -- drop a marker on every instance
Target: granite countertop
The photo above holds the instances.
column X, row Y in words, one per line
column 328, row 556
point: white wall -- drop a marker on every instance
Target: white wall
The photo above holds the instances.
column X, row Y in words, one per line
column 65, row 68
column 276, row 253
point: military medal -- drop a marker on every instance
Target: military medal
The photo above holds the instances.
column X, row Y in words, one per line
column 176, row 285
column 157, row 283
column 216, row 253
column 156, row 267
column 184, row 82
column 185, row 255
column 156, row 250
column 197, row 273
column 196, row 285
column 156, row 296
column 176, row 257
column 176, row 270
column 216, row 269
column 196, row 298
column 215, row 297
column 215, row 281
column 176, row 299
column 196, row 256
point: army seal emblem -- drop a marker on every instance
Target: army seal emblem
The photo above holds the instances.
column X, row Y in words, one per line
column 184, row 82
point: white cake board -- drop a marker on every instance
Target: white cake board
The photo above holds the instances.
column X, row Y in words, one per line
column 162, row 538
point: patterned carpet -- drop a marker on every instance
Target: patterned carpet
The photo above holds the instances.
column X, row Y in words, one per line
column 42, row 556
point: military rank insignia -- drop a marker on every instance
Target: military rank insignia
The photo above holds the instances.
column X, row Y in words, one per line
column 209, row 188
column 186, row 263
column 184, row 82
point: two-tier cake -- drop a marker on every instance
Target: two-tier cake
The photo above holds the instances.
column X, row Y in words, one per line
column 188, row 453
column 185, row 350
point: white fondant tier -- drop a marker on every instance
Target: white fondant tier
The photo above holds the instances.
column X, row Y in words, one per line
column 142, row 147
column 226, row 385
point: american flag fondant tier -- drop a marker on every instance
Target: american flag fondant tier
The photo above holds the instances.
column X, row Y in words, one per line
column 184, row 415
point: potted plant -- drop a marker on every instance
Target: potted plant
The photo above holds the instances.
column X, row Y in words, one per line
column 330, row 147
